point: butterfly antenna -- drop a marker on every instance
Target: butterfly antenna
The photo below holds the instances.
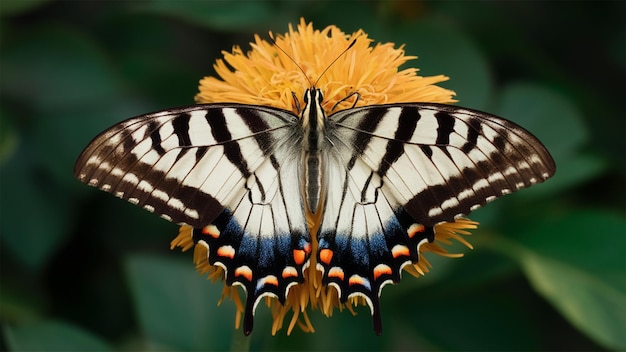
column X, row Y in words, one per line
column 300, row 68
column 290, row 58
column 335, row 60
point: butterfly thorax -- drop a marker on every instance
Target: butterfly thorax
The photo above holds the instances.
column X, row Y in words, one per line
column 312, row 120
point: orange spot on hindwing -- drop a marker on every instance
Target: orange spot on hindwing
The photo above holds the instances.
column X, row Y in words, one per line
column 299, row 256
column 415, row 229
column 211, row 230
column 244, row 271
column 400, row 250
column 381, row 269
column 326, row 255
column 289, row 271
column 269, row 280
column 226, row 251
column 355, row 280
column 336, row 272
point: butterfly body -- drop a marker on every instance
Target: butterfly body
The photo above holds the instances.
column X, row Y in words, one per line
column 313, row 122
column 380, row 177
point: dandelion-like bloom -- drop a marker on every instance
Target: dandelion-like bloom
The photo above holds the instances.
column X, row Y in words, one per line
column 266, row 76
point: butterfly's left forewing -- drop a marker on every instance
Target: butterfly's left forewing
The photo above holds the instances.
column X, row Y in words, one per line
column 395, row 171
column 229, row 171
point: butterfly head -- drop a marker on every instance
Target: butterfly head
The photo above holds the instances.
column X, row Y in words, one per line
column 313, row 115
column 313, row 95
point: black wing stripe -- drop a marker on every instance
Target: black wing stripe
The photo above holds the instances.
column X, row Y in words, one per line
column 256, row 125
column 155, row 136
column 472, row 135
column 221, row 133
column 181, row 129
column 407, row 121
column 445, row 127
column 368, row 123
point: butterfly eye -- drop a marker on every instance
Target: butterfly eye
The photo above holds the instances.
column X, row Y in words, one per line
column 306, row 97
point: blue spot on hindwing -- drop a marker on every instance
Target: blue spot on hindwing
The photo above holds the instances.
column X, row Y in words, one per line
column 266, row 253
column 359, row 252
column 283, row 243
column 377, row 244
column 392, row 227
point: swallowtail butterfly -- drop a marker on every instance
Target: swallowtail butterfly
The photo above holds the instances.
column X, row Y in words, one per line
column 245, row 177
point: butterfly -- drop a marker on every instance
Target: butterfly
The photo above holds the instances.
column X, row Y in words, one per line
column 380, row 177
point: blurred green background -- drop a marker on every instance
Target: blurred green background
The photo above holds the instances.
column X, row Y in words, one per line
column 82, row 270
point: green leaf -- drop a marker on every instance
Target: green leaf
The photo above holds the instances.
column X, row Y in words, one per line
column 70, row 130
column 577, row 263
column 52, row 335
column 589, row 303
column 468, row 318
column 442, row 48
column 18, row 304
column 8, row 137
column 558, row 123
column 220, row 15
column 16, row 7
column 34, row 211
column 545, row 113
column 176, row 307
column 570, row 172
column 54, row 67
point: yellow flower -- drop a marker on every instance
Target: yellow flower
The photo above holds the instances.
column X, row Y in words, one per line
column 264, row 76
column 267, row 76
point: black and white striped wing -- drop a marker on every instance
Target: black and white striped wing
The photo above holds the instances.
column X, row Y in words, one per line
column 395, row 171
column 227, row 170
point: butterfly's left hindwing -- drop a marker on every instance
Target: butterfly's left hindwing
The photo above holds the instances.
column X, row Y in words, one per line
column 229, row 171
